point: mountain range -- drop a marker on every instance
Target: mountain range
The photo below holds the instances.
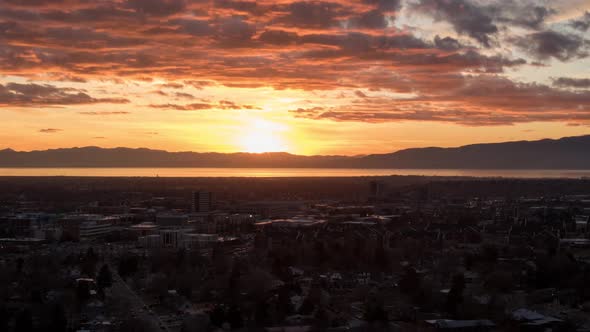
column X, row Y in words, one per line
column 564, row 153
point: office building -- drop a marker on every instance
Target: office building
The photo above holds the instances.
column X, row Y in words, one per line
column 202, row 201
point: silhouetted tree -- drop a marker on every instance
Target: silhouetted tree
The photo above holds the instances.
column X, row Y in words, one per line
column 128, row 266
column 217, row 316
column 234, row 317
column 455, row 296
column 82, row 292
column 410, row 281
column 261, row 313
column 59, row 321
column 4, row 318
column 374, row 309
column 20, row 262
column 321, row 319
column 104, row 279
column 24, row 321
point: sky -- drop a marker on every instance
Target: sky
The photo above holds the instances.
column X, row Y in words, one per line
column 305, row 77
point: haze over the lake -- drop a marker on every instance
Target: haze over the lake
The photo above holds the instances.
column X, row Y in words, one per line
column 305, row 77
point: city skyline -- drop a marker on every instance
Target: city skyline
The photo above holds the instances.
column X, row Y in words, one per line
column 304, row 77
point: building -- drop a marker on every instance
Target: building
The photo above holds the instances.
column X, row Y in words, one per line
column 581, row 223
column 91, row 229
column 202, row 201
column 171, row 219
column 86, row 226
column 198, row 241
column 145, row 228
column 150, row 241
column 172, row 238
column 295, row 222
column 375, row 190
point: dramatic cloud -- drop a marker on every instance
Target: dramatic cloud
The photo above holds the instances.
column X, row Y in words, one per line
column 477, row 102
column 317, row 14
column 464, row 16
column 460, row 70
column 221, row 105
column 583, row 23
column 552, row 44
column 481, row 20
column 583, row 83
column 16, row 94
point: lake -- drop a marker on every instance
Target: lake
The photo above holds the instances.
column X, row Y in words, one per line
column 287, row 172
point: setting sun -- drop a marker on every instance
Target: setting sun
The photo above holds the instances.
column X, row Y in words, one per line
column 263, row 136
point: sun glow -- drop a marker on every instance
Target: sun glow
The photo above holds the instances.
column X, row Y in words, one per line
column 263, row 136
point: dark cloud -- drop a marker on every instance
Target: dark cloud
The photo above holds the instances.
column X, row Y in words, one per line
column 50, row 130
column 373, row 19
column 481, row 21
column 184, row 95
column 278, row 37
column 172, row 85
column 316, row 14
column 16, row 94
column 221, row 105
column 104, row 113
column 478, row 101
column 157, row 7
column 447, row 43
column 309, row 45
column 385, row 5
column 524, row 15
column 552, row 44
column 199, row 84
column 186, row 107
column 240, row 6
column 465, row 17
column 275, row 44
column 192, row 27
column 582, row 23
column 360, row 94
column 34, row 2
column 236, row 30
column 569, row 82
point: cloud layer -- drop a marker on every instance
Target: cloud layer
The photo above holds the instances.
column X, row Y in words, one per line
column 458, row 74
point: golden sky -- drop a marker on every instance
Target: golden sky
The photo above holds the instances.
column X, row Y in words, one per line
column 307, row 77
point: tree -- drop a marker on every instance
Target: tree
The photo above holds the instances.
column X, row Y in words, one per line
column 217, row 316
column 4, row 318
column 59, row 322
column 410, row 281
column 261, row 313
column 455, row 296
column 20, row 262
column 321, row 319
column 374, row 308
column 82, row 292
column 128, row 266
column 104, row 279
column 24, row 321
column 234, row 317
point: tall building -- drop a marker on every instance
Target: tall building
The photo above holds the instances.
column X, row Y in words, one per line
column 375, row 190
column 202, row 201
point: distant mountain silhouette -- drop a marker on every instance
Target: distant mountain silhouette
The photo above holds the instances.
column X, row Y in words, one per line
column 564, row 153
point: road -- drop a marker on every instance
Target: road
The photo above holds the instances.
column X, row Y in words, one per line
column 137, row 305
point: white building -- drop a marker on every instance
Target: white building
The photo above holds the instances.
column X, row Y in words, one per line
column 93, row 229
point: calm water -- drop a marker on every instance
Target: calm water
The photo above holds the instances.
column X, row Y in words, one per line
column 287, row 172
